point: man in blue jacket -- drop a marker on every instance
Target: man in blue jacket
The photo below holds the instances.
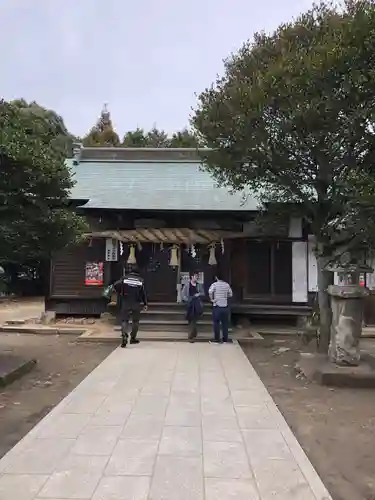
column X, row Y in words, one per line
column 192, row 294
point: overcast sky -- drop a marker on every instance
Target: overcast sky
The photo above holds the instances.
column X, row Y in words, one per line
column 145, row 58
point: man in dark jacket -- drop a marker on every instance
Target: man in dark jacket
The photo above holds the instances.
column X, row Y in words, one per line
column 132, row 294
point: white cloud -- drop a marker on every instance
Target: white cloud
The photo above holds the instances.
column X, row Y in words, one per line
column 145, row 58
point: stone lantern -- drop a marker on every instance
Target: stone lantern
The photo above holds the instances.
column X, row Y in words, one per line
column 347, row 304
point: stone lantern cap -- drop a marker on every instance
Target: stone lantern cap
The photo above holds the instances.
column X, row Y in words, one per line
column 348, row 263
column 349, row 269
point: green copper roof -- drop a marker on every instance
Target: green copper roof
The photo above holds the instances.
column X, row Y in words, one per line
column 152, row 185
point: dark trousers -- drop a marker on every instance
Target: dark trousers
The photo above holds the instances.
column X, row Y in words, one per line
column 128, row 311
column 193, row 330
column 220, row 316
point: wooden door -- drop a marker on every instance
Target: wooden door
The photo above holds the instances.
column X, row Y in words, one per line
column 269, row 271
column 282, row 270
column 259, row 269
column 160, row 278
column 153, row 263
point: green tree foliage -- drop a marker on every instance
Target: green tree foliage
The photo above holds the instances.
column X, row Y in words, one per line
column 293, row 121
column 156, row 138
column 61, row 137
column 35, row 220
column 135, row 139
column 102, row 134
column 183, row 139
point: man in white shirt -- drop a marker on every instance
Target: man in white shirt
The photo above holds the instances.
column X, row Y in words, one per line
column 219, row 293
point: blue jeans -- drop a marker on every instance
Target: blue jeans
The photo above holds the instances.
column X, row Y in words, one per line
column 220, row 316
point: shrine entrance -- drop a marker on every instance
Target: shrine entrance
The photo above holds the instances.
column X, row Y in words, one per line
column 160, row 278
column 153, row 264
column 165, row 257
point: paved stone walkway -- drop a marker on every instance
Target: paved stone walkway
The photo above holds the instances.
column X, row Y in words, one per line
column 163, row 421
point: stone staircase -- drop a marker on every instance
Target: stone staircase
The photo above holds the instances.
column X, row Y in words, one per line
column 164, row 322
column 169, row 318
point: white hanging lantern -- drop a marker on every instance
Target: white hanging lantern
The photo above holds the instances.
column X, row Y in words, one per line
column 174, row 257
column 193, row 251
column 222, row 246
column 131, row 258
column 212, row 258
column 121, row 248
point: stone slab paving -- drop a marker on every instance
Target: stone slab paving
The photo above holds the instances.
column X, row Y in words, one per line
column 163, row 421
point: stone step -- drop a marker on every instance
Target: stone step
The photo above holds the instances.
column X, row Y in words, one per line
column 171, row 318
column 144, row 335
column 166, row 321
column 165, row 315
column 172, row 326
column 167, row 305
column 13, row 368
column 157, row 319
column 182, row 311
column 164, row 307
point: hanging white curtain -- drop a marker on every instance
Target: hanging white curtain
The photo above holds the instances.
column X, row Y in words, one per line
column 132, row 259
column 212, row 258
column 174, row 257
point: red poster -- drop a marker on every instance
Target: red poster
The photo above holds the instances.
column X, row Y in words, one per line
column 94, row 274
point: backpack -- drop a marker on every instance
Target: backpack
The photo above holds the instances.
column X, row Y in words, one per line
column 107, row 292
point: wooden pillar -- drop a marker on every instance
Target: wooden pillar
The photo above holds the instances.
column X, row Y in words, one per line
column 299, row 261
column 312, row 265
column 178, row 276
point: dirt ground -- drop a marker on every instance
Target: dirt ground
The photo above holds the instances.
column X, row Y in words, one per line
column 20, row 308
column 336, row 427
column 62, row 365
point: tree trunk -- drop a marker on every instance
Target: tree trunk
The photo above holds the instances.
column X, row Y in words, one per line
column 325, row 278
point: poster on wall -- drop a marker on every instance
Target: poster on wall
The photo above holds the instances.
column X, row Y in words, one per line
column 94, row 275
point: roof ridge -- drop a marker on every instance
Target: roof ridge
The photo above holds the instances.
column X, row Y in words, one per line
column 131, row 154
column 158, row 162
column 121, row 148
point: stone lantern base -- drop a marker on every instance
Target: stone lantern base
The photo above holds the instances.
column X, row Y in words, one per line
column 347, row 314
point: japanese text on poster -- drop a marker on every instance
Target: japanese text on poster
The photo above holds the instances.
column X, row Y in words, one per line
column 94, row 274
